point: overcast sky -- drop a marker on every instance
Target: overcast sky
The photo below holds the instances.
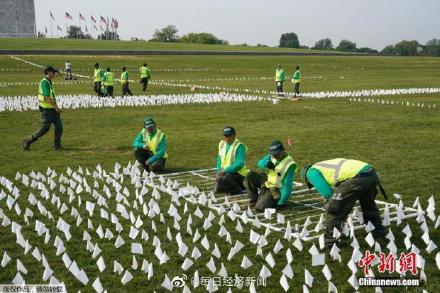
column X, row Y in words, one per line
column 372, row 23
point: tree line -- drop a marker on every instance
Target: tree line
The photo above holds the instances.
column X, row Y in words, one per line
column 169, row 34
column 402, row 48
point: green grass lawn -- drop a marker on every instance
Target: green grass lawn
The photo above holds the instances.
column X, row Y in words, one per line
column 401, row 142
column 319, row 73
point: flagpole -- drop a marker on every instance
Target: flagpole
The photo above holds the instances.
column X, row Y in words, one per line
column 65, row 18
column 51, row 34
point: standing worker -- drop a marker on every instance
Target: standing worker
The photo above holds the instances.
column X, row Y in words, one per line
column 50, row 112
column 68, row 68
column 150, row 147
column 98, row 75
column 145, row 76
column 231, row 163
column 109, row 82
column 296, row 80
column 272, row 190
column 342, row 182
column 124, row 81
column 279, row 79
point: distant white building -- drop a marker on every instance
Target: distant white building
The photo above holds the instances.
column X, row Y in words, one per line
column 17, row 19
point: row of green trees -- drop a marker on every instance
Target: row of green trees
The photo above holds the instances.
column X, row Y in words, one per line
column 168, row 34
column 403, row 48
column 287, row 40
column 290, row 40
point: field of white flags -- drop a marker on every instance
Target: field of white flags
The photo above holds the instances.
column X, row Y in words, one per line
column 123, row 230
column 89, row 101
column 25, row 103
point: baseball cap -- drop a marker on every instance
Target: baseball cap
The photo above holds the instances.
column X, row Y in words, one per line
column 50, row 68
column 149, row 122
column 276, row 147
column 304, row 175
column 228, row 130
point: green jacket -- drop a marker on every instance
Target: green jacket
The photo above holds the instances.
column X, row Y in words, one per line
column 287, row 183
column 296, row 77
column 279, row 75
column 239, row 160
column 161, row 148
column 317, row 180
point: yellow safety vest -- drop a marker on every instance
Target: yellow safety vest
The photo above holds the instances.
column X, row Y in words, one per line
column 97, row 74
column 275, row 177
column 124, row 77
column 41, row 100
column 338, row 170
column 144, row 71
column 227, row 158
column 154, row 142
column 279, row 75
column 109, row 79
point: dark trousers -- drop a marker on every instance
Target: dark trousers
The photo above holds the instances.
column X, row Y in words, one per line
column 126, row 90
column 280, row 90
column 49, row 117
column 144, row 82
column 142, row 155
column 345, row 196
column 229, row 183
column 69, row 73
column 258, row 193
column 97, row 88
column 296, row 89
column 109, row 91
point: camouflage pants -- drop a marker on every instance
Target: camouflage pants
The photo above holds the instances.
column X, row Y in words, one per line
column 344, row 198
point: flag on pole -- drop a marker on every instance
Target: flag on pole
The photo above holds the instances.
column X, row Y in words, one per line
column 69, row 16
column 115, row 23
column 93, row 19
column 81, row 17
column 51, row 15
column 59, row 28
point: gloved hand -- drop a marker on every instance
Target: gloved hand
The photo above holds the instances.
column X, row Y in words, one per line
column 270, row 165
column 280, row 207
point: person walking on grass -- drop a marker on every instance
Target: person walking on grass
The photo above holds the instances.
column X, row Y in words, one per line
column 109, row 83
column 231, row 163
column 150, row 147
column 273, row 188
column 343, row 182
column 280, row 77
column 296, row 80
column 68, row 69
column 145, row 76
column 50, row 112
column 124, row 81
column 98, row 76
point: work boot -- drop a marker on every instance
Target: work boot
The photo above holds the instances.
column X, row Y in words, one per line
column 26, row 143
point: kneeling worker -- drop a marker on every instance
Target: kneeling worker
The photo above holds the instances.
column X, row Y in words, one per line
column 151, row 147
column 272, row 190
column 343, row 182
column 231, row 163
